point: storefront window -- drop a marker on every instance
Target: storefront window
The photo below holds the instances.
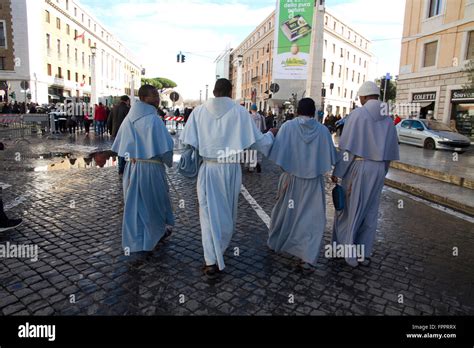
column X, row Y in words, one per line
column 464, row 118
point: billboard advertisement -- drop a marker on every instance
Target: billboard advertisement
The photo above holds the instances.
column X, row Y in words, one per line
column 293, row 31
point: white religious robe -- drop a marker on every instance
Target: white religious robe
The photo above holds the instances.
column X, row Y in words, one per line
column 260, row 124
column 219, row 128
column 305, row 151
column 368, row 144
column 147, row 208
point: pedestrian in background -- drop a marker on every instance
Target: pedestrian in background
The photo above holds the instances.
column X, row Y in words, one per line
column 100, row 117
column 119, row 113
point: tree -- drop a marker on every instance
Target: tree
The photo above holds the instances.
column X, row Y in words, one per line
column 159, row 82
column 391, row 94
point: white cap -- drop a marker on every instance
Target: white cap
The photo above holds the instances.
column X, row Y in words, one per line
column 368, row 88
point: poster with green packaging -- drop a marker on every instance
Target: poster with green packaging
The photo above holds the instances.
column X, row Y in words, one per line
column 293, row 32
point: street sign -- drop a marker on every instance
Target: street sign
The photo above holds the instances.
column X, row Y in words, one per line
column 24, row 85
column 174, row 97
column 274, row 87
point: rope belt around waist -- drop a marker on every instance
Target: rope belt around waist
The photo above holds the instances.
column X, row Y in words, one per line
column 357, row 158
column 136, row 160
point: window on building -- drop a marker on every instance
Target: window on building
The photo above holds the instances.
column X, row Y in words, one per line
column 358, row 78
column 360, row 61
column 75, row 11
column 363, row 80
column 342, row 31
column 354, row 59
column 2, row 63
column 334, row 48
column 347, row 73
column 69, row 75
column 48, row 41
column 90, row 81
column 60, row 73
column 348, row 55
column 365, row 64
column 68, row 29
column 470, row 45
column 345, row 92
column 48, row 17
column 58, row 23
column 89, row 23
column 435, row 8
column 429, row 58
column 90, row 43
column 59, row 47
column 75, row 55
column 262, row 69
column 325, row 43
column 3, row 36
column 82, row 17
column 340, row 71
column 335, row 25
column 338, row 91
column 352, row 94
column 353, row 75
column 77, row 77
column 332, row 69
column 342, row 53
column 324, row 65
column 50, row 70
column 67, row 5
column 83, row 58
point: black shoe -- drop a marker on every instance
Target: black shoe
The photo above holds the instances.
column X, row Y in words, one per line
column 9, row 224
column 168, row 233
column 259, row 168
column 211, row 272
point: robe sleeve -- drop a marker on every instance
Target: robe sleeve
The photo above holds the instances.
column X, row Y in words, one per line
column 264, row 144
column 190, row 132
column 343, row 163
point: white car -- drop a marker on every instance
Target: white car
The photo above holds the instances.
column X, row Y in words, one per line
column 431, row 135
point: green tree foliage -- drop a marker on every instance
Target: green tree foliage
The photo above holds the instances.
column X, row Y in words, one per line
column 159, row 82
column 391, row 89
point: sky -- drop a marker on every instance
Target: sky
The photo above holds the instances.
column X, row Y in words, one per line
column 157, row 30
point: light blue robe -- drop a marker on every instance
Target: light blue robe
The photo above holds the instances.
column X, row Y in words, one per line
column 147, row 208
column 305, row 151
column 372, row 136
column 213, row 128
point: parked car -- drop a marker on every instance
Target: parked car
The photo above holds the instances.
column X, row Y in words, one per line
column 431, row 135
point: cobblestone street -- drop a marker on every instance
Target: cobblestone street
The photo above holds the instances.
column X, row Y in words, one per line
column 75, row 217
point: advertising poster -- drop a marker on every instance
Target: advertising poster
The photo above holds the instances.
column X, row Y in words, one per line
column 293, row 39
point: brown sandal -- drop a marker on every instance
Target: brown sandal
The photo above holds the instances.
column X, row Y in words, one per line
column 211, row 272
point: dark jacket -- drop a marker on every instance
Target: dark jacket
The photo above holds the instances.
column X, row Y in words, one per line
column 119, row 112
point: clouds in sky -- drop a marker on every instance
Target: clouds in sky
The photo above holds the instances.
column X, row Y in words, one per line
column 157, row 30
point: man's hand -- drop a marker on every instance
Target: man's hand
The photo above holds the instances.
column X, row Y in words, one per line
column 335, row 179
column 274, row 131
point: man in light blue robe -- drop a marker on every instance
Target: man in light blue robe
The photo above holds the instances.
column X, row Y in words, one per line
column 144, row 141
column 305, row 151
column 220, row 129
column 367, row 146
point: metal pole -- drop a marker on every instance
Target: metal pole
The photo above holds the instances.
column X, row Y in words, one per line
column 385, row 90
column 207, row 92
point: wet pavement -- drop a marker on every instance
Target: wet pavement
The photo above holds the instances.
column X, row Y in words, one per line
column 74, row 216
column 461, row 164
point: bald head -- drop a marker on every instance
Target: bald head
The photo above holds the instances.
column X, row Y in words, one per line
column 223, row 88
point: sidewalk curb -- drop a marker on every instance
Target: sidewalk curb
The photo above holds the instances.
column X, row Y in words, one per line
column 458, row 206
column 433, row 174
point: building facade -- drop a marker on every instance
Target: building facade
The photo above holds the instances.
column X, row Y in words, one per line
column 347, row 63
column 438, row 42
column 61, row 51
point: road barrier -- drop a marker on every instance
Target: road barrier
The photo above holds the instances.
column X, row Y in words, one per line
column 21, row 125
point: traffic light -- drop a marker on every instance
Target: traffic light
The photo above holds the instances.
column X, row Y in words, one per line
column 178, row 58
column 183, row 58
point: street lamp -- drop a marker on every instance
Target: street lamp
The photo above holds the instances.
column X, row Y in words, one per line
column 93, row 77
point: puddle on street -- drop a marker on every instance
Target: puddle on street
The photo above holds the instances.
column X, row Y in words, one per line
column 70, row 161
